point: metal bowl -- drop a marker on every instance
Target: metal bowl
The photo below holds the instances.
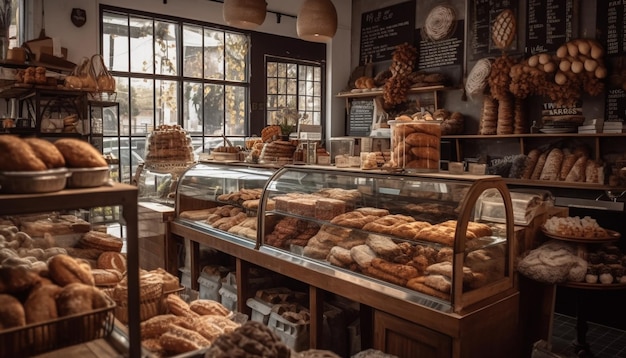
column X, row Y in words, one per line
column 44, row 181
column 88, row 177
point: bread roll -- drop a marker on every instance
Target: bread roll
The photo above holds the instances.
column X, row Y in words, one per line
column 79, row 153
column 47, row 152
column 112, row 260
column 11, row 312
column 77, row 298
column 65, row 269
column 40, row 306
column 17, row 155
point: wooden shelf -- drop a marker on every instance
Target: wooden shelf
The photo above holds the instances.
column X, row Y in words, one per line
column 532, row 135
column 379, row 92
column 561, row 184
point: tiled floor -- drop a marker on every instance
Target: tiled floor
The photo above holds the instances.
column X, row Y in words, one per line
column 604, row 342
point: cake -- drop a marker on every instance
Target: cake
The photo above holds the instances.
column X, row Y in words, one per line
column 169, row 143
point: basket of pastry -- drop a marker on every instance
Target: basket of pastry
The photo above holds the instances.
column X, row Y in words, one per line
column 42, row 314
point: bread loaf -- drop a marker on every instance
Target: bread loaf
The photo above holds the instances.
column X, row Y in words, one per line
column 17, row 155
column 76, row 298
column 47, row 152
column 568, row 163
column 577, row 173
column 79, row 153
column 65, row 269
column 40, row 306
column 552, row 168
column 208, row 307
column 541, row 162
column 101, row 241
column 531, row 162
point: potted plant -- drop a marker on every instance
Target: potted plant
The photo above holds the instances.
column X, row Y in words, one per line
column 287, row 119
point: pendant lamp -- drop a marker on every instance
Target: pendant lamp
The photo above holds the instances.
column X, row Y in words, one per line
column 244, row 14
column 317, row 20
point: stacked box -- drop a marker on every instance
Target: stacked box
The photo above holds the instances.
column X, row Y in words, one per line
column 209, row 287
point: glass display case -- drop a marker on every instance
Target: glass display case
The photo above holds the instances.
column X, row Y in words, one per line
column 415, row 236
column 222, row 199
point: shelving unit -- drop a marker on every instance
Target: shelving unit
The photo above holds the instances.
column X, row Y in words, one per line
column 115, row 195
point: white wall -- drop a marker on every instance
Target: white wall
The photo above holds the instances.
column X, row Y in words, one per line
column 84, row 41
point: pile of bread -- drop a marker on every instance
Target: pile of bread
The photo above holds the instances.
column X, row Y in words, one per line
column 169, row 143
column 569, row 164
column 35, row 154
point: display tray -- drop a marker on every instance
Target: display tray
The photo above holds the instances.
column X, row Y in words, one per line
column 26, row 182
column 612, row 236
column 42, row 337
column 594, row 286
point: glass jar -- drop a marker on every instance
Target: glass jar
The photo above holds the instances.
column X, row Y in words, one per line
column 415, row 145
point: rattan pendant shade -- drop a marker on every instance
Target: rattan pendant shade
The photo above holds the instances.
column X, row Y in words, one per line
column 244, row 14
column 317, row 21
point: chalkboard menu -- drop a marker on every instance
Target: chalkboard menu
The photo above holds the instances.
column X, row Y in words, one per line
column 360, row 117
column 482, row 14
column 448, row 52
column 549, row 24
column 615, row 105
column 384, row 29
column 611, row 24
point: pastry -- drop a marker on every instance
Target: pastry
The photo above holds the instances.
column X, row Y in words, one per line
column 180, row 340
column 178, row 306
column 155, row 326
column 383, row 246
column 362, row 255
column 106, row 277
column 79, row 153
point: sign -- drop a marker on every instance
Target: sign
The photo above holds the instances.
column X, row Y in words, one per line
column 360, row 118
column 610, row 22
column 550, row 23
column 483, row 12
column 384, row 29
column 615, row 105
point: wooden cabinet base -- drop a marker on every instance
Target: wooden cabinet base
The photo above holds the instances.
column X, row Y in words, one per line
column 489, row 332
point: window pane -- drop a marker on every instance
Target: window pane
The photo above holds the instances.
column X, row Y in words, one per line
column 272, row 102
column 272, row 86
column 213, row 54
column 235, row 110
column 282, row 85
column 292, row 69
column 292, row 102
column 167, row 102
column 115, row 41
column 192, row 107
column 271, row 69
column 213, row 109
column 192, row 51
column 236, row 57
column 282, row 70
column 165, row 47
column 141, row 106
column 141, row 45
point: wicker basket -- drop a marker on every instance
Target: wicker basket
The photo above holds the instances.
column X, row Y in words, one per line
column 150, row 302
column 43, row 337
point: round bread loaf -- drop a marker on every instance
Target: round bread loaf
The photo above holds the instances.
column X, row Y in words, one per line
column 47, row 152
column 65, row 269
column 76, row 298
column 11, row 312
column 80, row 154
column 112, row 260
column 17, row 155
column 40, row 306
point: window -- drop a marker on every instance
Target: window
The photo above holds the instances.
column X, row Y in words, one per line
column 295, row 88
column 11, row 23
column 173, row 71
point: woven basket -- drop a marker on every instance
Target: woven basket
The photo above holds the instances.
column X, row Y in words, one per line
column 150, row 302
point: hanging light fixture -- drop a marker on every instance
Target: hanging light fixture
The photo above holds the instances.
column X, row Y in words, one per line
column 244, row 14
column 317, row 21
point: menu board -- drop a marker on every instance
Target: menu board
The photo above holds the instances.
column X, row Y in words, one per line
column 384, row 29
column 549, row 24
column 360, row 117
column 482, row 14
column 615, row 105
column 611, row 25
column 448, row 52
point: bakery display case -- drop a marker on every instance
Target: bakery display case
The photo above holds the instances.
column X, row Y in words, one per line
column 421, row 237
column 222, row 198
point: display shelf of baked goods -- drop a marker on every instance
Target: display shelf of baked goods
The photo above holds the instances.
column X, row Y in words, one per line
column 114, row 194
